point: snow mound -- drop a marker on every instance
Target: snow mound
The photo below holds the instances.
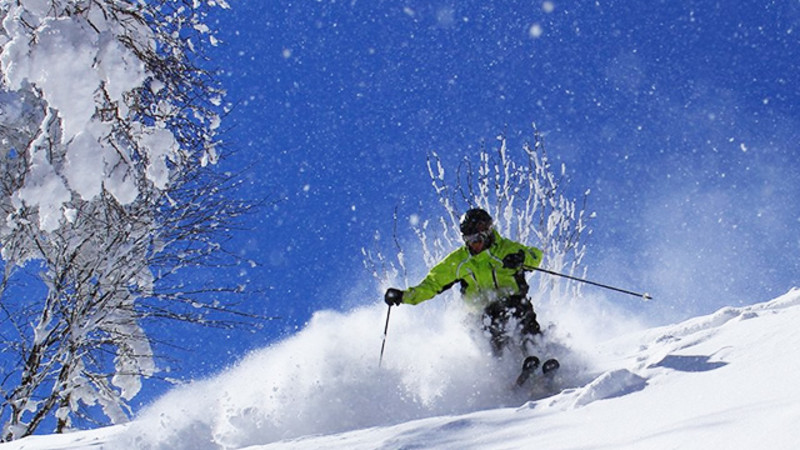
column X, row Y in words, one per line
column 615, row 383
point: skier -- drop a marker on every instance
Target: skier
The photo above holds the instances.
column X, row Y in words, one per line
column 491, row 272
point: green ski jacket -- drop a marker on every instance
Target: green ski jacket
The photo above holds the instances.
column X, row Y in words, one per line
column 482, row 277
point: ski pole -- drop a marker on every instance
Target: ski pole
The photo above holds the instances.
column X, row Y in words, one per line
column 385, row 332
column 594, row 283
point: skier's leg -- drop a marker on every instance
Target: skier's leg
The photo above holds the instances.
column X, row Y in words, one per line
column 527, row 326
column 495, row 318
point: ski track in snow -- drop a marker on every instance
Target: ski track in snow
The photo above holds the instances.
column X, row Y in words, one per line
column 729, row 377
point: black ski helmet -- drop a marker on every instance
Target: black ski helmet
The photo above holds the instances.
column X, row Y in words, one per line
column 474, row 221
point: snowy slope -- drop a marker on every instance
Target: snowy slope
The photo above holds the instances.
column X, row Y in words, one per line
column 727, row 380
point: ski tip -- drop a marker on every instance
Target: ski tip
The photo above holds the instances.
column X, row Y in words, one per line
column 549, row 366
column 530, row 363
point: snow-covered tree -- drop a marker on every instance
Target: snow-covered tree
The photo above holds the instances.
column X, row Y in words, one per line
column 528, row 200
column 108, row 140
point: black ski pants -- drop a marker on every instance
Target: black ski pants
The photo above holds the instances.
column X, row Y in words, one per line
column 497, row 321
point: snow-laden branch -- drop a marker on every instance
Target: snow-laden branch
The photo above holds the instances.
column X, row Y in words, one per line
column 108, row 136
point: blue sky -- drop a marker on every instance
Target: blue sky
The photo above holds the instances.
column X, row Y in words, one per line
column 682, row 119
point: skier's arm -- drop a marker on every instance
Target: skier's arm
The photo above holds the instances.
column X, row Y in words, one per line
column 441, row 277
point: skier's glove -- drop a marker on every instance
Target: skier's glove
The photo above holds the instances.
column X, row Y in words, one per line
column 393, row 296
column 514, row 260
